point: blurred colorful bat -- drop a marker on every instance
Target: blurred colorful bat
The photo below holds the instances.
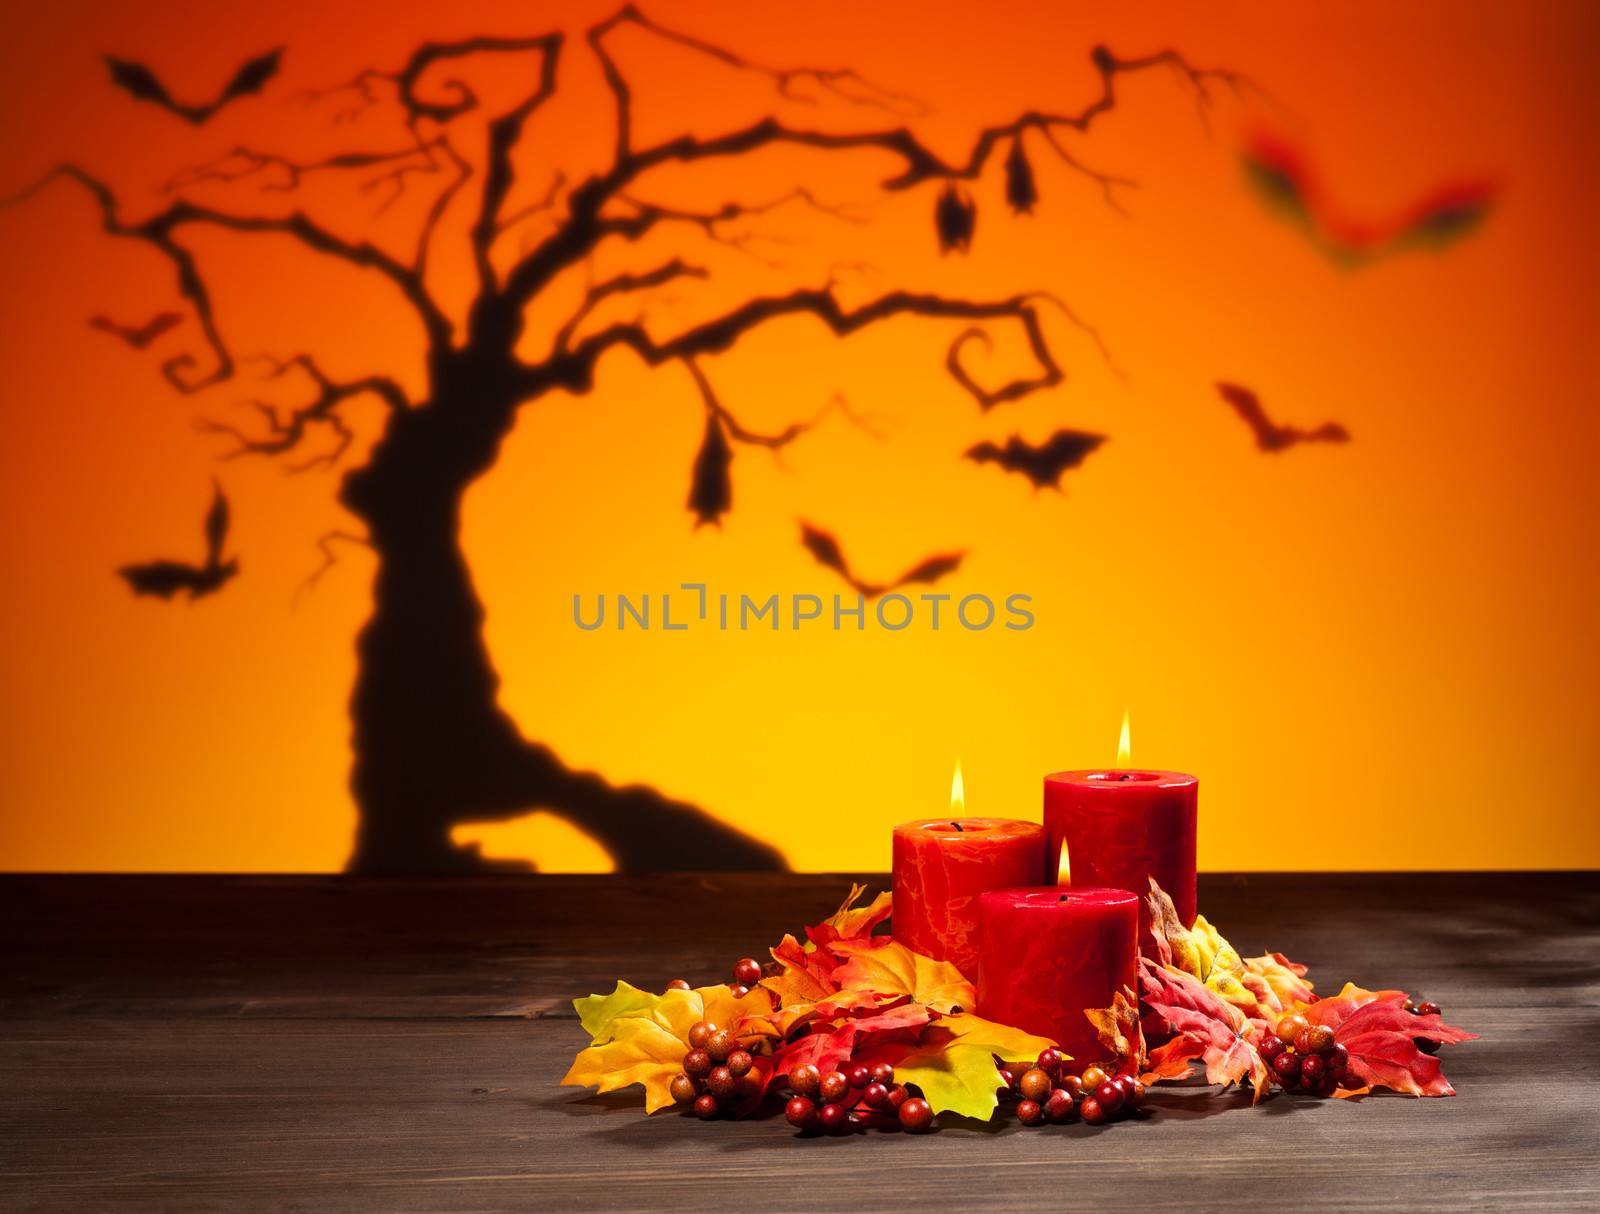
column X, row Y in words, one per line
column 143, row 84
column 1042, row 464
column 164, row 579
column 1269, row 435
column 1281, row 176
column 137, row 336
column 825, row 548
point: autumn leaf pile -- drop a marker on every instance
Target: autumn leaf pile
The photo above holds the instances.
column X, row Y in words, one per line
column 845, row 996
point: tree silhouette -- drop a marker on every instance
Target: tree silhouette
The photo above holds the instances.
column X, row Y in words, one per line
column 432, row 748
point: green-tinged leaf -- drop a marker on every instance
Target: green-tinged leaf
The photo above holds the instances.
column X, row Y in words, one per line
column 598, row 1013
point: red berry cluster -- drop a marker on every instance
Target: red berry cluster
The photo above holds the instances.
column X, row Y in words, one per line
column 1305, row 1058
column 857, row 1097
column 1048, row 1092
column 747, row 971
column 1424, row 1007
column 716, row 1072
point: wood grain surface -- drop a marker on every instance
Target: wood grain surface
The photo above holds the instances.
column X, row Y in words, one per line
column 311, row 1043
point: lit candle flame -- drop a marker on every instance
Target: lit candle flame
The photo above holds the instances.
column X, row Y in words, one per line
column 958, row 797
column 1124, row 747
column 1064, row 868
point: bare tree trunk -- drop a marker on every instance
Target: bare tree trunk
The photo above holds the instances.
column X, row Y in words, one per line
column 432, row 747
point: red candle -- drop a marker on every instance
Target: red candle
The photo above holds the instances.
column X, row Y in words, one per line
column 1120, row 828
column 1048, row 953
column 941, row 865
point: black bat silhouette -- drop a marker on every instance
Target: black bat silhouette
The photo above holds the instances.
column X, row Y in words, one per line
column 825, row 548
column 1042, row 464
column 143, row 84
column 165, row 578
column 137, row 336
column 1021, row 191
column 710, row 486
column 955, row 218
column 1269, row 435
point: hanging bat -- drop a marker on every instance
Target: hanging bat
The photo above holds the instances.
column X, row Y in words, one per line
column 1269, row 435
column 137, row 336
column 710, row 486
column 165, row 578
column 825, row 548
column 142, row 84
column 1281, row 177
column 1021, row 191
column 1042, row 464
column 955, row 218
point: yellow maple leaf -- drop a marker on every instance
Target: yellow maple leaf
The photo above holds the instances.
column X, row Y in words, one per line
column 1200, row 951
column 851, row 920
column 954, row 1065
column 599, row 1013
column 895, row 969
column 640, row 1051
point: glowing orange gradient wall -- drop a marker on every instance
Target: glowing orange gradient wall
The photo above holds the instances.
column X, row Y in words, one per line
column 1393, row 638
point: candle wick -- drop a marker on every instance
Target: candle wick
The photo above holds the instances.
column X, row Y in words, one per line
column 1125, row 776
column 959, row 827
column 1063, row 898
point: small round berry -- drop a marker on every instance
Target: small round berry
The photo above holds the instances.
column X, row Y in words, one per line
column 738, row 990
column 1271, row 1047
column 1093, row 1077
column 751, row 1085
column 858, row 1076
column 706, row 1106
column 721, row 1083
column 801, row 1113
column 916, row 1115
column 1060, row 1109
column 833, row 1117
column 1093, row 1112
column 1426, row 1044
column 1327, row 1085
column 898, row 1095
column 876, row 1096
column 834, row 1086
column 1050, row 1061
column 1312, row 1069
column 720, row 1044
column 1030, row 1112
column 1286, row 1065
column 1288, row 1026
column 1008, row 1080
column 739, row 1062
column 1140, row 1091
column 1035, row 1085
column 683, row 1089
column 1073, row 1084
column 883, row 1073
column 1109, row 1096
column 805, row 1080
column 700, row 1033
column 1313, row 1039
column 1427, row 1008
column 1337, row 1060
column 677, row 984
column 697, row 1064
column 1129, row 1086
column 747, row 971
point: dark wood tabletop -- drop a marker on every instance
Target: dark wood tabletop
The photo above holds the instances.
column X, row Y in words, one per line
column 334, row 1043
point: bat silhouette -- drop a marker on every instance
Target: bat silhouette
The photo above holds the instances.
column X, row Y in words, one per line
column 1021, row 191
column 825, row 548
column 955, row 218
column 165, row 578
column 1281, row 175
column 710, row 486
column 143, row 84
column 1269, row 435
column 1042, row 464
column 137, row 336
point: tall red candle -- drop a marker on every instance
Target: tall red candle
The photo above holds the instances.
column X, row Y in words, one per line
column 1048, row 953
column 941, row 865
column 1120, row 828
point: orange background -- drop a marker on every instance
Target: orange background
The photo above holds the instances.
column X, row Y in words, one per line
column 1380, row 655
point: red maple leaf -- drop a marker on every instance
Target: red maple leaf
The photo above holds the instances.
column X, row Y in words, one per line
column 1380, row 1035
column 1221, row 1030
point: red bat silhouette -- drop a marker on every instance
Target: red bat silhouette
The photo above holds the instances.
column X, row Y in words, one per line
column 137, row 336
column 1269, row 435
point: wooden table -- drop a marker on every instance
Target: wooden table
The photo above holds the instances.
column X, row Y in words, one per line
column 339, row 1043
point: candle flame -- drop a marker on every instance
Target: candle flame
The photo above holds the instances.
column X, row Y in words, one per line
column 1124, row 746
column 1064, row 867
column 958, row 794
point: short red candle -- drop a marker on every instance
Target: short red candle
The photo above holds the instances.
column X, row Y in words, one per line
column 941, row 865
column 1048, row 953
column 1121, row 828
